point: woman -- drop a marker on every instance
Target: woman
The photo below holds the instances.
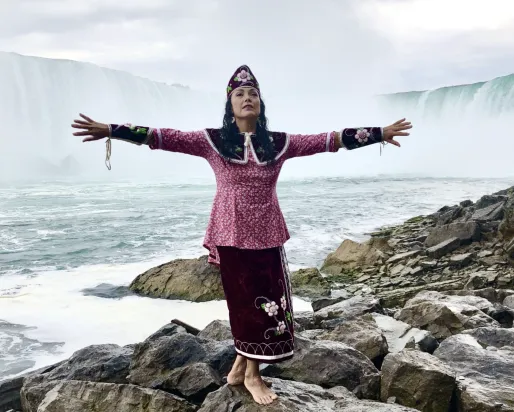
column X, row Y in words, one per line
column 246, row 230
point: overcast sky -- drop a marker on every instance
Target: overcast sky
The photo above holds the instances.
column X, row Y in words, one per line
column 373, row 45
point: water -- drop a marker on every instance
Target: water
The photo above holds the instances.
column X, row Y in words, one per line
column 58, row 238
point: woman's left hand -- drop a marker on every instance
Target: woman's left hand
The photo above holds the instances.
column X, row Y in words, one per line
column 396, row 129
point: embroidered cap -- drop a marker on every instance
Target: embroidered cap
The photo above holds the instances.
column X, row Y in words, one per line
column 243, row 76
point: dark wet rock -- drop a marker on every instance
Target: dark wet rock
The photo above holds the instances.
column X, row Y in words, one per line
column 321, row 303
column 443, row 248
column 108, row 291
column 466, row 232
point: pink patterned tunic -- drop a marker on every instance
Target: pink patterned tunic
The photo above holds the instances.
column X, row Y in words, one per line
column 246, row 212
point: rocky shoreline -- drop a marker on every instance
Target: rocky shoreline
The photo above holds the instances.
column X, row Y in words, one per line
column 419, row 317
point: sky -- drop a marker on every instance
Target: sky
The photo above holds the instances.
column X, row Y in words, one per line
column 346, row 45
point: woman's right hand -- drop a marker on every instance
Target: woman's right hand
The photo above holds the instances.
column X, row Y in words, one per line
column 93, row 130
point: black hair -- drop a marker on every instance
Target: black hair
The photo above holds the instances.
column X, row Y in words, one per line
column 230, row 135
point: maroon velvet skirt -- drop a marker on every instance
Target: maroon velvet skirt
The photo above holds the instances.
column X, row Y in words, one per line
column 258, row 293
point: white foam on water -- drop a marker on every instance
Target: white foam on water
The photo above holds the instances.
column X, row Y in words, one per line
column 54, row 303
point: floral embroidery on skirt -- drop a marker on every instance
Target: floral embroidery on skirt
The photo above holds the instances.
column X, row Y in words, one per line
column 258, row 293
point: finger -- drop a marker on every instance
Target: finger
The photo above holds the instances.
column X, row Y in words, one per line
column 87, row 118
column 393, row 142
column 80, row 126
column 81, row 121
column 406, row 127
column 88, row 133
column 399, row 121
column 401, row 134
column 91, row 139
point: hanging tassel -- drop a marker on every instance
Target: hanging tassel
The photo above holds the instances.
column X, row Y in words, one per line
column 108, row 153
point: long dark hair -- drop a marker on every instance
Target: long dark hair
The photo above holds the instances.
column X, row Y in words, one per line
column 230, row 135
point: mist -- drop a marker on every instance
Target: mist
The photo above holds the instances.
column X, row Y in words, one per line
column 463, row 131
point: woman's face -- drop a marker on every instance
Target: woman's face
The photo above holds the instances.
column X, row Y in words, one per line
column 246, row 103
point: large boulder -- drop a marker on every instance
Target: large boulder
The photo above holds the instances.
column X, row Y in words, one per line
column 444, row 315
column 295, row 397
column 75, row 396
column 495, row 337
column 362, row 334
column 309, row 283
column 466, row 232
column 96, row 363
column 329, row 364
column 418, row 380
column 154, row 361
column 485, row 377
column 350, row 257
column 188, row 279
column 217, row 330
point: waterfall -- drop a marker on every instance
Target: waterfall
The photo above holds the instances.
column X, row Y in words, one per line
column 464, row 130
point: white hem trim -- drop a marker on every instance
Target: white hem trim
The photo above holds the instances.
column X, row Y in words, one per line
column 264, row 357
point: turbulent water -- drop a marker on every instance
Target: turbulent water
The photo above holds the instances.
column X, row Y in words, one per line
column 67, row 224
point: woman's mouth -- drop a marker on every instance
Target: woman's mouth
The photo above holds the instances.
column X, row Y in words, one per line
column 248, row 106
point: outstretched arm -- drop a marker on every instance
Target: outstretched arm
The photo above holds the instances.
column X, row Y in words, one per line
column 350, row 138
column 192, row 143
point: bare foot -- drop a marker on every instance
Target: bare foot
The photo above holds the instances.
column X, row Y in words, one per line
column 259, row 390
column 237, row 374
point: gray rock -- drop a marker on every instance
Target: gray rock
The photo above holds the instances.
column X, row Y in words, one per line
column 217, row 330
column 443, row 248
column 305, row 320
column 444, row 315
column 497, row 337
column 362, row 334
column 321, row 303
column 490, row 213
column 402, row 256
column 154, row 361
column 309, row 283
column 169, row 329
column 192, row 382
column 466, row 232
column 481, row 280
column 350, row 308
column 506, row 227
column 461, row 260
column 485, row 378
column 418, row 380
column 509, row 302
column 74, row 396
column 329, row 364
column 489, row 200
column 294, row 397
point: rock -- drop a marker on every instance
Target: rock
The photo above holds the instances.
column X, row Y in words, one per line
column 398, row 297
column 489, row 200
column 491, row 294
column 509, row 302
column 461, row 260
column 154, row 360
column 321, row 303
column 418, row 380
column 466, row 232
column 428, row 264
column 294, row 397
column 347, row 309
column 362, row 334
column 309, row 283
column 192, row 382
column 349, row 257
column 108, row 291
column 329, row 364
column 449, row 214
column 481, row 280
column 509, row 250
column 497, row 337
column 96, row 363
column 217, row 330
column 74, row 396
column 444, row 315
column 485, row 253
column 490, row 213
column 305, row 320
column 169, row 329
column 398, row 334
column 506, row 227
column 189, row 279
column 443, row 248
column 402, row 256
column 311, row 334
column 485, row 378
column 466, row 203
